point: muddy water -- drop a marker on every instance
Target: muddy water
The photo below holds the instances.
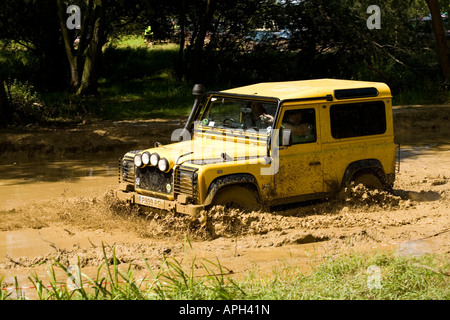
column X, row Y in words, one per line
column 24, row 182
column 26, row 244
column 47, row 180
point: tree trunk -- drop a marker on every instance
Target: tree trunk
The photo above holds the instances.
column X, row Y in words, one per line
column 179, row 68
column 89, row 81
column 194, row 70
column 72, row 57
column 50, row 48
column 5, row 113
column 84, row 61
column 440, row 36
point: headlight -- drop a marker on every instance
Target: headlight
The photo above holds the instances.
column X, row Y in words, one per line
column 137, row 160
column 146, row 158
column 154, row 159
column 163, row 164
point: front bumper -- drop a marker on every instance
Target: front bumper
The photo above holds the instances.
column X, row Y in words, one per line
column 132, row 197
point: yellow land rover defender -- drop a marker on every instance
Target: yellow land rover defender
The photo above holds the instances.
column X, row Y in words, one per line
column 267, row 144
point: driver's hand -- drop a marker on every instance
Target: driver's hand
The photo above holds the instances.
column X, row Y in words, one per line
column 266, row 117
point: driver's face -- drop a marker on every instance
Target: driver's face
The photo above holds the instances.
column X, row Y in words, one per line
column 257, row 109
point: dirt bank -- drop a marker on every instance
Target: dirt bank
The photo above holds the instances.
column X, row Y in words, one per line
column 414, row 219
column 412, row 125
column 88, row 138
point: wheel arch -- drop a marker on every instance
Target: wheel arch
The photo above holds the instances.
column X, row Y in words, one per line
column 356, row 168
column 241, row 179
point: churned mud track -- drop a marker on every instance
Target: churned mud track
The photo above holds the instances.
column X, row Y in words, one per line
column 95, row 138
column 75, row 228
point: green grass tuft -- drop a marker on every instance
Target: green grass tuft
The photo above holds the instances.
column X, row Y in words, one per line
column 346, row 278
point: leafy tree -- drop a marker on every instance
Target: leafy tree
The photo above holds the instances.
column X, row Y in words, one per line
column 440, row 37
column 34, row 25
column 216, row 33
column 100, row 20
column 323, row 38
column 4, row 104
column 84, row 51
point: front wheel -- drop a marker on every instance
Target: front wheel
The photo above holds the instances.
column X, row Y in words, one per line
column 237, row 197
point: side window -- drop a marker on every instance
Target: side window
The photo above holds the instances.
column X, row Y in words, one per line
column 357, row 119
column 302, row 124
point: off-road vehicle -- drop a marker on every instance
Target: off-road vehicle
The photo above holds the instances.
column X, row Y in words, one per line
column 267, row 144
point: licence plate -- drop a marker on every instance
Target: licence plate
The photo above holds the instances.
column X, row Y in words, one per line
column 151, row 202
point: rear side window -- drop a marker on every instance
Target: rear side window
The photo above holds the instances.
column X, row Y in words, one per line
column 357, row 119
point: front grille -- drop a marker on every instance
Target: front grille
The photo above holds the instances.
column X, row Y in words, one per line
column 126, row 170
column 185, row 181
column 152, row 179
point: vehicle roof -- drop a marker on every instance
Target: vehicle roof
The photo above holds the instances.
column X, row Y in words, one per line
column 303, row 89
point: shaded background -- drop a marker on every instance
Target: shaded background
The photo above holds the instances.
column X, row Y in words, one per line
column 139, row 59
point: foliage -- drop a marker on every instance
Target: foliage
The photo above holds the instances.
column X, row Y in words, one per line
column 327, row 39
column 221, row 44
column 25, row 100
column 343, row 278
column 148, row 89
column 34, row 26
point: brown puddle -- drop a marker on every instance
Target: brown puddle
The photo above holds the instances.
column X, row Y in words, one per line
column 36, row 181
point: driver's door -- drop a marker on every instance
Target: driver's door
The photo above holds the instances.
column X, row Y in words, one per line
column 300, row 170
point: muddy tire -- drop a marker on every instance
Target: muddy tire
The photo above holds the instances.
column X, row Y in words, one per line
column 369, row 180
column 237, row 197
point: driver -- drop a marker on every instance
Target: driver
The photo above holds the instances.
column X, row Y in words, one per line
column 259, row 117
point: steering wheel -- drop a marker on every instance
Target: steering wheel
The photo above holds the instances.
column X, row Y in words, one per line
column 224, row 122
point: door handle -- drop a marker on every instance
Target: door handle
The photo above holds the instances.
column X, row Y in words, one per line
column 314, row 163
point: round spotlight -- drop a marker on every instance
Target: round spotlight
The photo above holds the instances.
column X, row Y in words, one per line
column 154, row 159
column 146, row 158
column 138, row 160
column 163, row 164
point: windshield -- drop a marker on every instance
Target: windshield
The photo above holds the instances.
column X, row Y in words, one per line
column 239, row 114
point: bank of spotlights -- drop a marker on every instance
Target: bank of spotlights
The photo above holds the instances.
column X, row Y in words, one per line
column 154, row 159
column 138, row 160
column 163, row 165
column 145, row 159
